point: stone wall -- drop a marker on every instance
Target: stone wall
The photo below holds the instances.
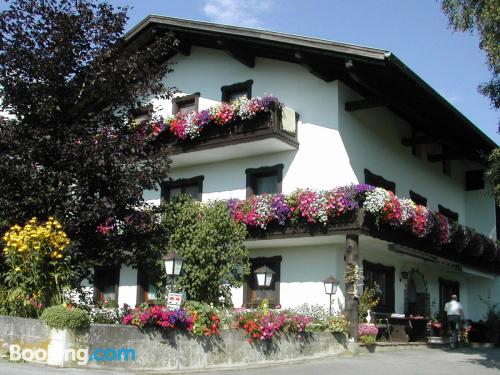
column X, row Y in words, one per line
column 156, row 349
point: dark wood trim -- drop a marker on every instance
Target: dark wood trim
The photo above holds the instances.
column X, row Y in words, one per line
column 378, row 181
column 434, row 158
column 237, row 53
column 240, row 86
column 115, row 271
column 253, row 173
column 418, row 199
column 180, row 100
column 452, row 215
column 261, row 261
column 325, row 72
column 167, row 185
column 367, row 103
column 419, row 140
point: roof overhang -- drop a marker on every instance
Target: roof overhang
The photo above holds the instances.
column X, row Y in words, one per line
column 378, row 75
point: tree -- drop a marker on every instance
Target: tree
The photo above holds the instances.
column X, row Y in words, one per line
column 482, row 16
column 211, row 243
column 71, row 148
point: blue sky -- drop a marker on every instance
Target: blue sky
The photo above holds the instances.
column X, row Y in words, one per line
column 415, row 30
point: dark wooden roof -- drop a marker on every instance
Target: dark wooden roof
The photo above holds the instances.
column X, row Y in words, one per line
column 376, row 74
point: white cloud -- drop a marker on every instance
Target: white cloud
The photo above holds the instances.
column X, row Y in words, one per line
column 236, row 12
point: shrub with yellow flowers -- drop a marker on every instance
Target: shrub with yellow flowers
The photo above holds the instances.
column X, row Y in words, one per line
column 37, row 265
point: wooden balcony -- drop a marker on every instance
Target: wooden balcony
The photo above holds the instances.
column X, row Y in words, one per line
column 266, row 133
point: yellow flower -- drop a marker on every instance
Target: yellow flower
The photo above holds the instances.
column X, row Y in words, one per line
column 18, row 269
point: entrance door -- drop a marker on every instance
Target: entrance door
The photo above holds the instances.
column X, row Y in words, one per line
column 381, row 277
column 446, row 289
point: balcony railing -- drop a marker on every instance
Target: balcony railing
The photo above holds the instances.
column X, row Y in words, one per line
column 267, row 132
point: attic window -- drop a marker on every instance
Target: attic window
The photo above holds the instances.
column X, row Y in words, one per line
column 452, row 215
column 418, row 199
column 379, row 181
column 185, row 104
column 237, row 90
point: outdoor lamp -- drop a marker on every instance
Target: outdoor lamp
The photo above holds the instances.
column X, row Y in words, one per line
column 173, row 264
column 331, row 284
column 264, row 276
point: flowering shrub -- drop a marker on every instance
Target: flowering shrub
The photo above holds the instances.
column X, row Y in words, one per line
column 338, row 324
column 367, row 333
column 37, row 266
column 260, row 325
column 159, row 316
column 206, row 319
column 191, row 125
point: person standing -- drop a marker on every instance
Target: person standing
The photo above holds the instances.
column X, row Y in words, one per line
column 455, row 313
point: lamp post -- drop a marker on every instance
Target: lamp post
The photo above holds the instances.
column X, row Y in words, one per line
column 173, row 265
column 331, row 284
column 264, row 277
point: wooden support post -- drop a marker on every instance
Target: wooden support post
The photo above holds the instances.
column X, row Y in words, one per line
column 351, row 299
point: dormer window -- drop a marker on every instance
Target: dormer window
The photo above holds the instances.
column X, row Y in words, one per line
column 237, row 90
column 379, row 181
column 452, row 215
column 185, row 104
column 264, row 180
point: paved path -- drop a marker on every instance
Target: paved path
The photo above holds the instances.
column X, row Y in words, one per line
column 416, row 361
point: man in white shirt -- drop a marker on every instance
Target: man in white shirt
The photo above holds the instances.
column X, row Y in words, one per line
column 455, row 312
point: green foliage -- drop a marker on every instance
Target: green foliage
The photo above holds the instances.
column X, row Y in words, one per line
column 482, row 16
column 368, row 301
column 206, row 318
column 71, row 82
column 211, row 243
column 65, row 317
column 492, row 174
column 368, row 339
column 338, row 324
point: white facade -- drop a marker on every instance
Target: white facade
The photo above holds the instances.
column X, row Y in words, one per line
column 335, row 148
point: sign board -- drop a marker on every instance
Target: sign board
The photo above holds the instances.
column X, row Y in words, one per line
column 174, row 300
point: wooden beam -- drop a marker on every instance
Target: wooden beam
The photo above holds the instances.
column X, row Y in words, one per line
column 419, row 140
column 434, row 158
column 315, row 69
column 238, row 54
column 367, row 103
column 351, row 297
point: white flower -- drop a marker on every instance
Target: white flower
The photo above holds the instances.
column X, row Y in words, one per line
column 376, row 199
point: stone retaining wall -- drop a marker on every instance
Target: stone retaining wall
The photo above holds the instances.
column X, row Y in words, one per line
column 167, row 350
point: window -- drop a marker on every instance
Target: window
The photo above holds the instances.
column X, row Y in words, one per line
column 146, row 282
column 252, row 293
column 418, row 199
column 185, row 104
column 264, row 180
column 379, row 181
column 474, row 180
column 141, row 114
column 237, row 90
column 190, row 186
column 106, row 282
column 453, row 216
column 446, row 289
column 381, row 277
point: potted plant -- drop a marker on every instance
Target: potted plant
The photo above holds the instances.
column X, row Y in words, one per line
column 368, row 335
